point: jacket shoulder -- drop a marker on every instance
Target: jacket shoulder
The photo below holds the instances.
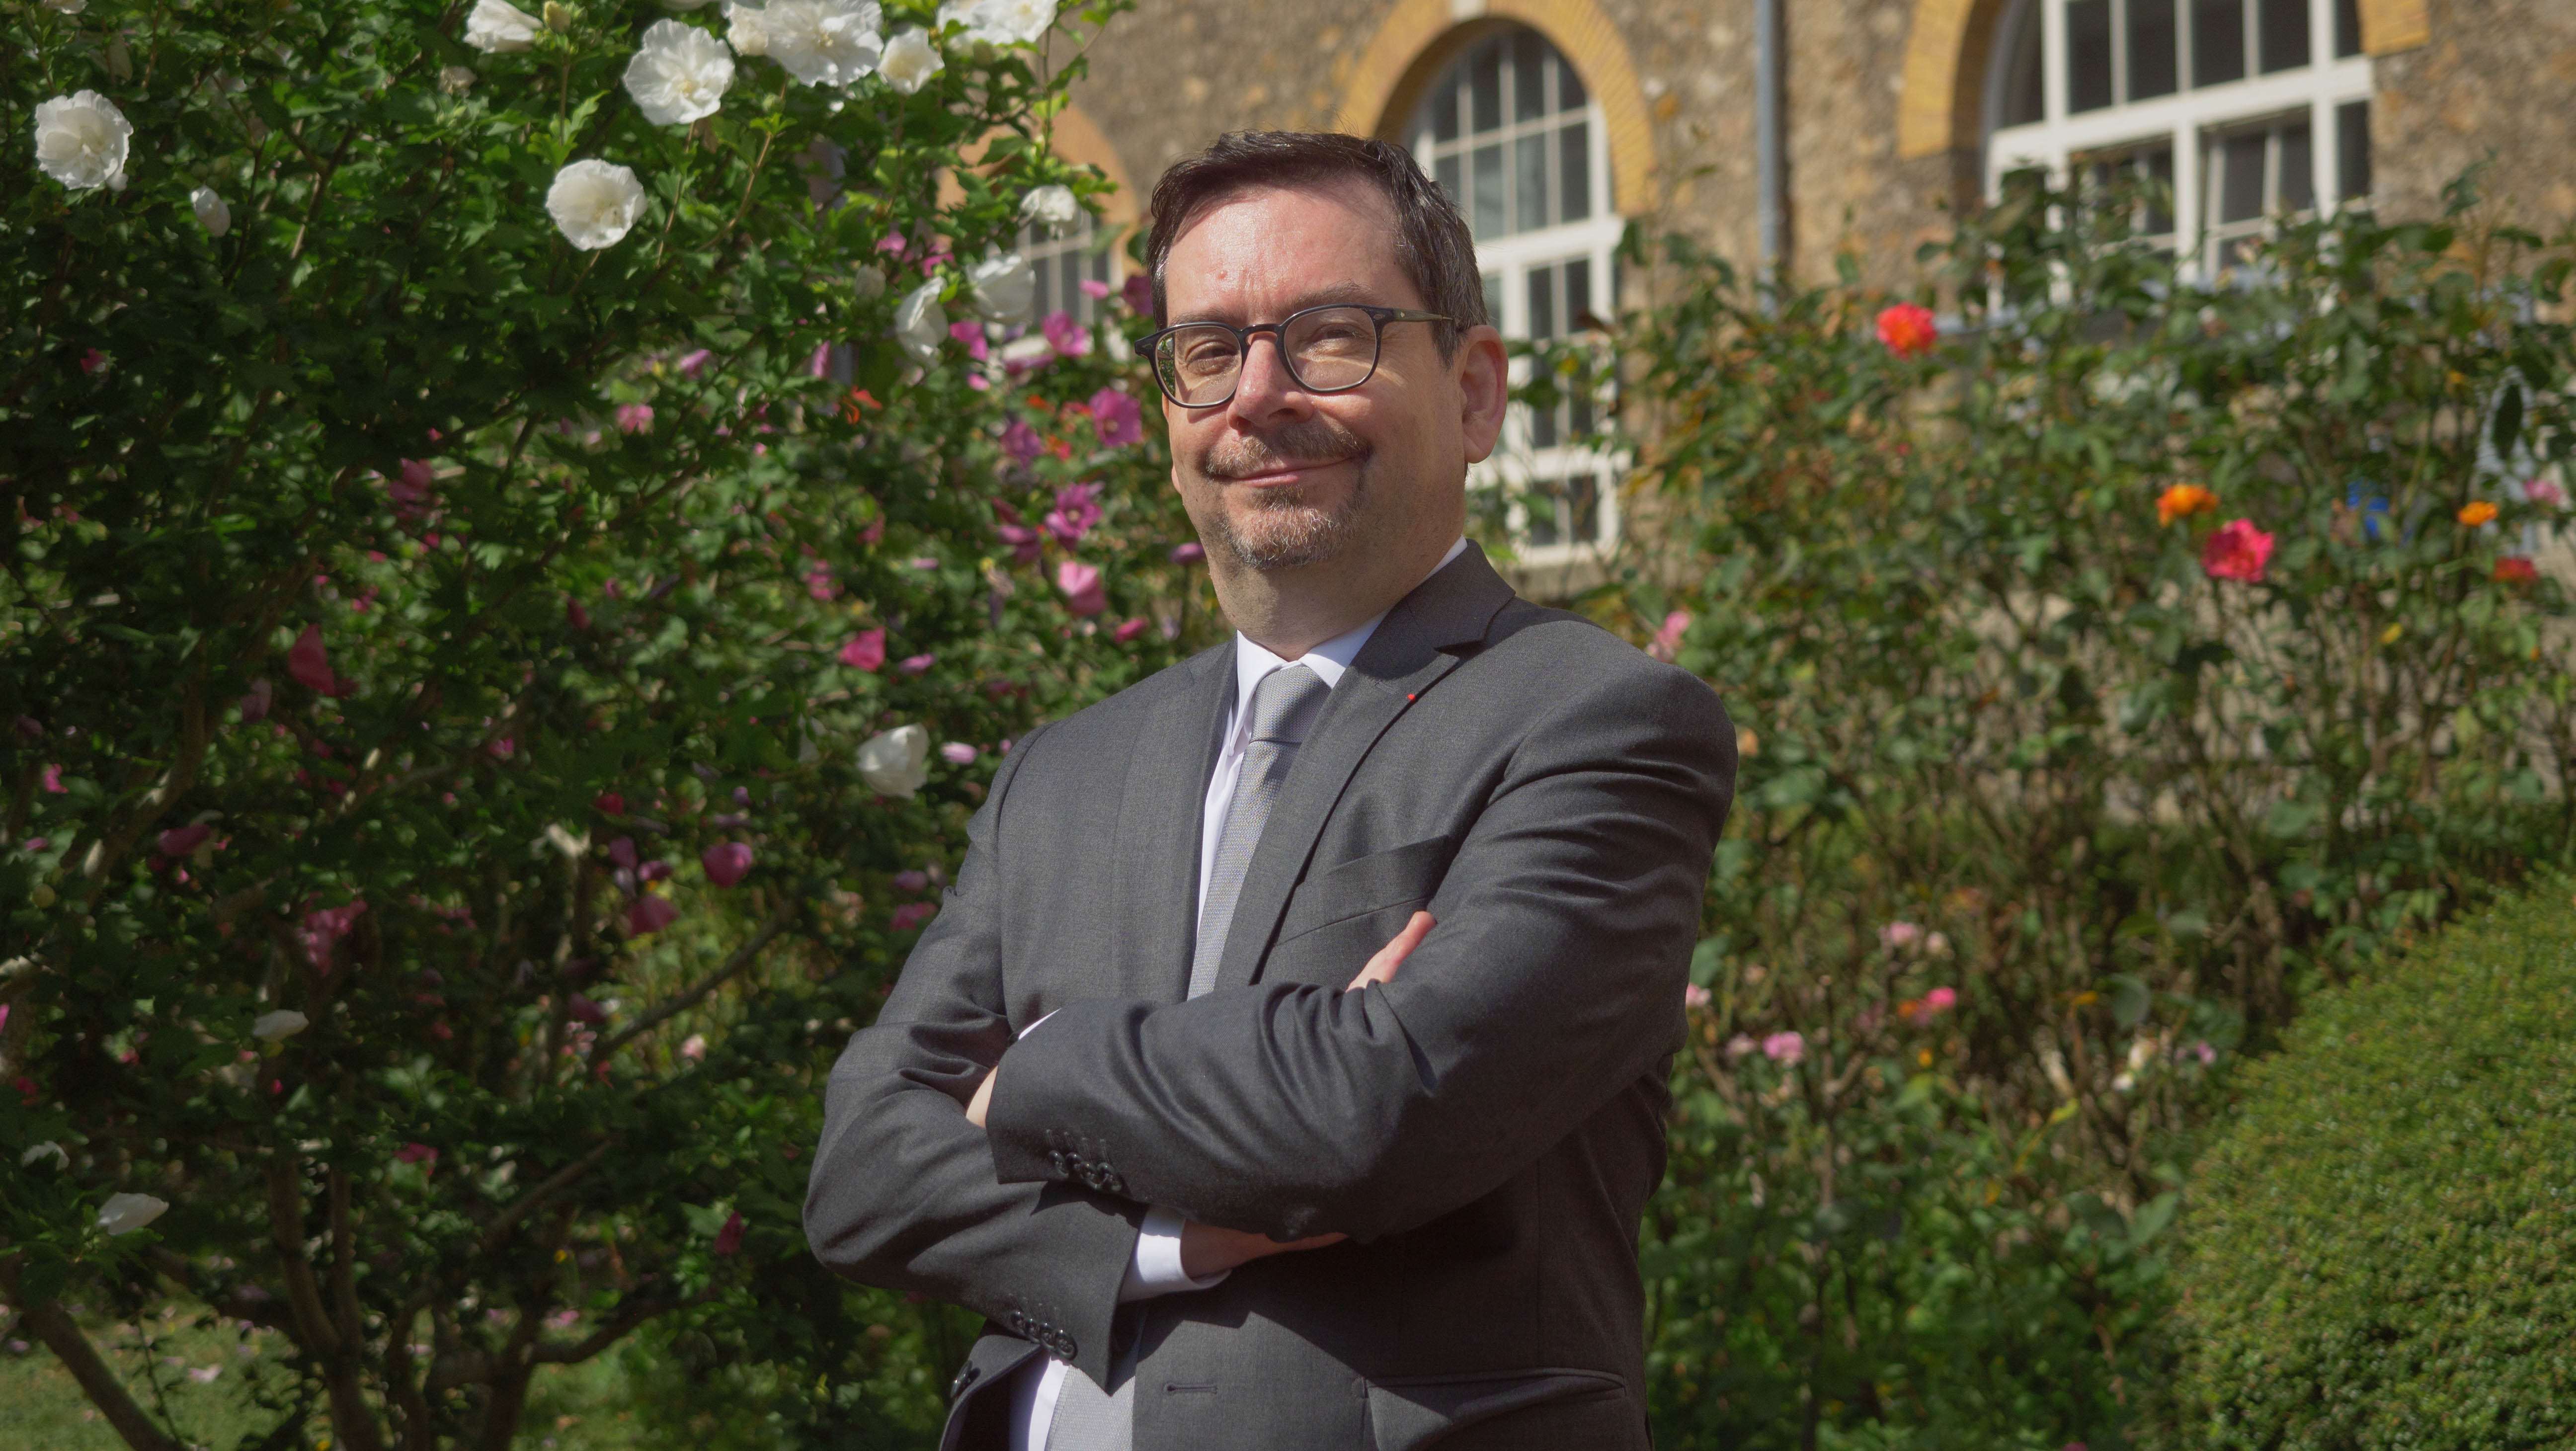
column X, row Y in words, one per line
column 1583, row 658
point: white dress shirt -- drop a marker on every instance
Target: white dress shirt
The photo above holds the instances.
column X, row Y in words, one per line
column 1156, row 1267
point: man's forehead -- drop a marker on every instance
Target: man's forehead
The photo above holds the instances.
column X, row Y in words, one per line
column 1287, row 244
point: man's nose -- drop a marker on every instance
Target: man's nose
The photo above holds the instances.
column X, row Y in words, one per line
column 1266, row 391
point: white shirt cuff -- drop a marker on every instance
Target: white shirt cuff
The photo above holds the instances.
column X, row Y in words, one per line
column 1156, row 1267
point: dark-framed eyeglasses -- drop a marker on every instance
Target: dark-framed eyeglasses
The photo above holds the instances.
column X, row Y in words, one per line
column 1328, row 349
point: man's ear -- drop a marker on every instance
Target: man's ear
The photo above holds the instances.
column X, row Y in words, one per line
column 1483, row 371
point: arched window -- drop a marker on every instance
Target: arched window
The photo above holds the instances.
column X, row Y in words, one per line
column 1509, row 130
column 2242, row 109
column 1066, row 259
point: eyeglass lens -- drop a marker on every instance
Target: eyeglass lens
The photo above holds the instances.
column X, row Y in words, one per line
column 1328, row 350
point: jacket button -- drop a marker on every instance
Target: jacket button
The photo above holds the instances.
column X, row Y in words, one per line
column 964, row 1379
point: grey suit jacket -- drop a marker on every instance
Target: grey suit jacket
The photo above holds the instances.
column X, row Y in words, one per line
column 1486, row 1128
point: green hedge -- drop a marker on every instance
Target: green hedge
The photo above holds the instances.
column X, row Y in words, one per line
column 2383, row 1250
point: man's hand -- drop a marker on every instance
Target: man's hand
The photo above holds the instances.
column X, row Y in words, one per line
column 1381, row 968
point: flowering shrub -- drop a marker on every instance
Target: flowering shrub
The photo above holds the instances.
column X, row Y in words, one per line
column 502, row 632
column 2161, row 648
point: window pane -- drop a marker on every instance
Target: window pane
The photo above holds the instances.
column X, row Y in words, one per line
column 1585, row 505
column 2298, row 162
column 1543, row 434
column 1494, row 299
column 2088, row 54
column 1569, row 86
column 1578, row 413
column 2025, row 98
column 1488, row 189
column 2352, row 147
column 1578, row 292
column 1529, row 71
column 1574, row 172
column 1542, row 505
column 1444, row 111
column 1485, row 85
column 1542, row 302
column 1529, row 165
column 2238, row 185
column 2160, row 176
column 2217, row 42
column 1446, row 172
column 2285, row 35
column 2347, row 28
column 2152, row 51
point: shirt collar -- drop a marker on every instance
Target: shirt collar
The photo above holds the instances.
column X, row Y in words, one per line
column 1252, row 663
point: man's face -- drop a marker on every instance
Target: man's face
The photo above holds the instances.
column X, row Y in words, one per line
column 1279, row 478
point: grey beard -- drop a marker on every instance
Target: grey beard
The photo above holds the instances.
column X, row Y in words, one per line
column 1300, row 533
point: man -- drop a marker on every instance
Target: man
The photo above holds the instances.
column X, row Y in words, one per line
column 1286, row 1067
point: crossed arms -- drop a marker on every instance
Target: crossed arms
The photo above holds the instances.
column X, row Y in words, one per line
column 1286, row 1111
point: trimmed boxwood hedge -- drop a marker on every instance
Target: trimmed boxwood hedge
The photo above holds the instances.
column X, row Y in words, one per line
column 2382, row 1247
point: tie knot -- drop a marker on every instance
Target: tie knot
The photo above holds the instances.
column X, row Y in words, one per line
column 1285, row 704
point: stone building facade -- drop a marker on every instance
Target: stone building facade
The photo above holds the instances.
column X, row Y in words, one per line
column 1888, row 114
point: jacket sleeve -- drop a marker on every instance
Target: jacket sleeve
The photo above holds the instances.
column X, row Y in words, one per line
column 902, row 1193
column 1553, row 980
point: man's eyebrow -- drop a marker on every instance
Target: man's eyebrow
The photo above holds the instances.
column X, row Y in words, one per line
column 1352, row 292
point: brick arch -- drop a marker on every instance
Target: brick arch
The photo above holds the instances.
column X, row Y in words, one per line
column 1419, row 37
column 1943, row 109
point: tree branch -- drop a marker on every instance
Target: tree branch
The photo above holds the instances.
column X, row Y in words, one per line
column 627, row 1320
column 690, row 997
column 55, row 1326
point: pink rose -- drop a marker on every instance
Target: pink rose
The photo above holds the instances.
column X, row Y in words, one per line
column 1668, row 638
column 1129, row 631
column 1940, row 1000
column 958, row 753
column 2237, row 551
column 1083, row 592
column 911, row 915
column 1784, row 1047
column 725, row 862
column 635, row 418
column 866, row 650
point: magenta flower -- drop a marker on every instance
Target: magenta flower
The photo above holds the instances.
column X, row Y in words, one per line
column 911, row 881
column 622, row 852
column 583, row 1010
column 648, row 914
column 694, row 1047
column 1784, row 1047
column 916, row 664
column 612, row 803
column 1021, row 441
column 1118, row 417
column 181, row 840
column 635, row 418
column 415, row 1153
column 726, row 861
column 819, row 365
column 729, row 1238
column 1094, row 290
column 310, row 663
column 1129, row 630
column 254, row 704
column 1074, row 513
column 653, row 871
column 1897, row 936
column 1083, row 592
column 1190, row 553
column 911, row 915
column 972, row 335
column 2544, row 491
column 1138, row 293
column 1066, row 334
column 1694, row 997
column 1668, row 638
column 957, row 753
column 866, row 650
column 52, row 780
column 692, row 364
column 321, row 931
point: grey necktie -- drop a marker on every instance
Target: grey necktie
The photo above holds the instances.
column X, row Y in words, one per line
column 1284, row 707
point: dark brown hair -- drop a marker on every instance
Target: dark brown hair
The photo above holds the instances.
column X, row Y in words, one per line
column 1432, row 243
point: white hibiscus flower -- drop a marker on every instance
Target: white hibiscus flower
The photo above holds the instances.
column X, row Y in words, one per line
column 595, row 203
column 824, row 42
column 679, row 73
column 497, row 25
column 81, row 141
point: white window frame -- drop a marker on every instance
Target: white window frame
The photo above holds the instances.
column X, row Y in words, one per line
column 2188, row 120
column 1517, row 463
column 1088, row 235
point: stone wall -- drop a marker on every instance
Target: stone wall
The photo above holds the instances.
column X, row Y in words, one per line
column 2494, row 78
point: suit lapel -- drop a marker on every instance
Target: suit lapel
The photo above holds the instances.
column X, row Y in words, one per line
column 1407, row 654
column 1157, row 850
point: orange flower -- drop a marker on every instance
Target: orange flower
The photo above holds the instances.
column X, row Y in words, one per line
column 2182, row 501
column 1908, row 330
column 2514, row 569
column 2477, row 512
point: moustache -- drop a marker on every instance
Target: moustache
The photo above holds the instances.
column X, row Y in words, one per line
column 1311, row 441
